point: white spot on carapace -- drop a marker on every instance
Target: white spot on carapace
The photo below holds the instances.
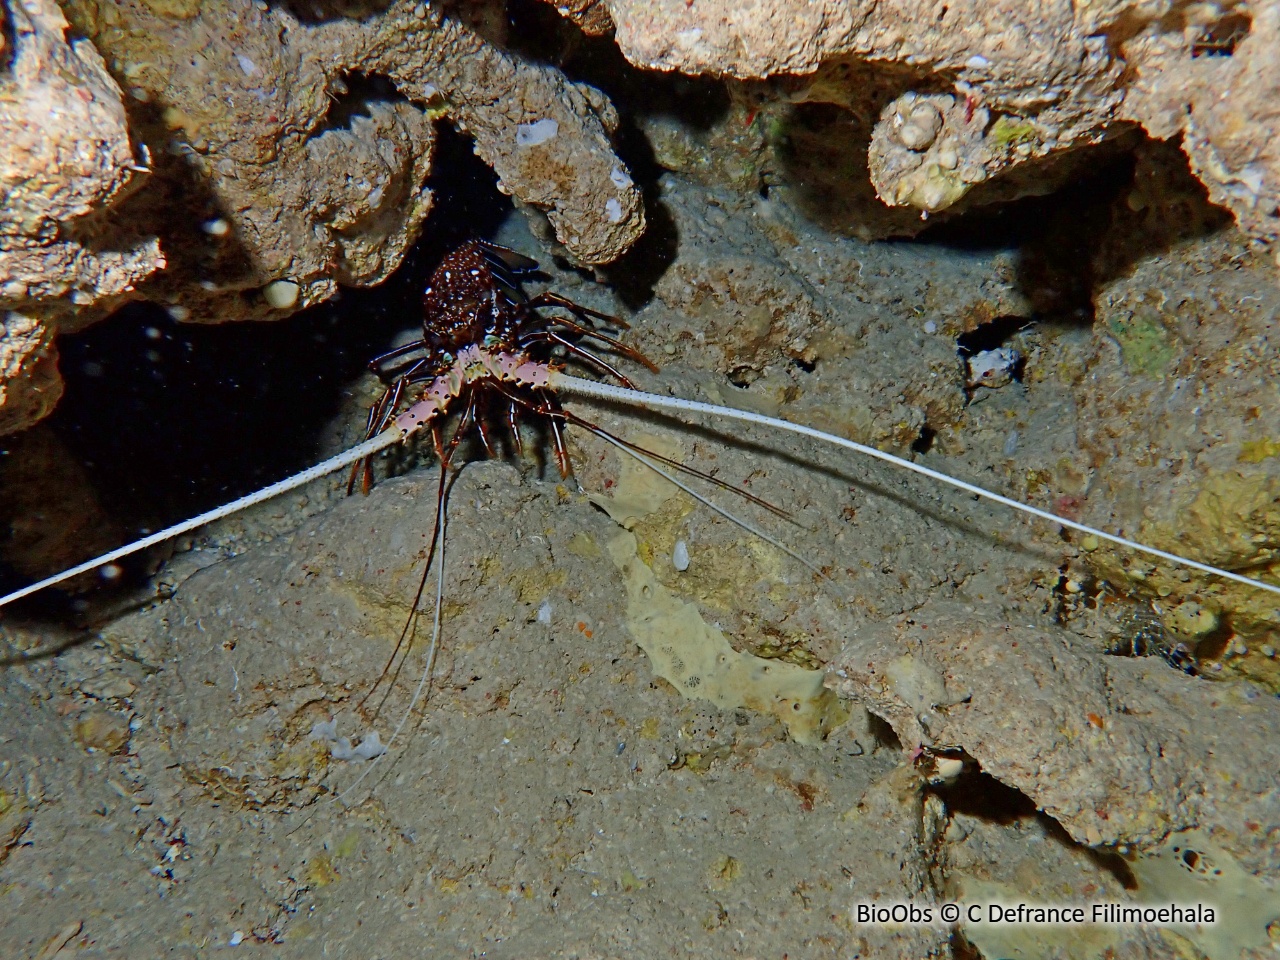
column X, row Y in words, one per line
column 540, row 131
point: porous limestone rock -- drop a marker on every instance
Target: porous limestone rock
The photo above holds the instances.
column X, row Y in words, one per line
column 276, row 150
column 29, row 381
column 1005, row 83
column 66, row 156
column 1118, row 750
column 1178, row 396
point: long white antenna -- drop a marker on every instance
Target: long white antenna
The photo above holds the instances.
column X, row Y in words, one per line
column 366, row 449
column 607, row 391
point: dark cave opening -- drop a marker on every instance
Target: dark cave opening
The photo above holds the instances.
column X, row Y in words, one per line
column 165, row 420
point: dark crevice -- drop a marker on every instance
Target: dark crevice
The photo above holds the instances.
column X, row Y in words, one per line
column 165, row 420
column 924, row 440
column 324, row 11
column 1056, row 234
column 988, row 336
column 352, row 94
column 8, row 41
column 536, row 32
column 978, row 794
column 1137, row 199
column 635, row 274
column 1221, row 38
column 883, row 734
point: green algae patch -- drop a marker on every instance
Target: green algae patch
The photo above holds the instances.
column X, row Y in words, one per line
column 1255, row 451
column 583, row 546
column 532, row 584
column 697, row 660
column 1145, row 345
column 1011, row 131
column 723, row 873
column 1232, row 521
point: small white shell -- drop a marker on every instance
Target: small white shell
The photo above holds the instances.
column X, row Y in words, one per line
column 544, row 612
column 920, row 127
column 933, row 194
column 946, row 769
column 915, row 137
column 680, row 556
column 280, row 294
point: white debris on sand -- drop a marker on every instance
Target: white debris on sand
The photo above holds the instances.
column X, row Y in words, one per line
column 340, row 748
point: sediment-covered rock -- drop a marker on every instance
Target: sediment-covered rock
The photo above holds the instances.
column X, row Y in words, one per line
column 1120, row 751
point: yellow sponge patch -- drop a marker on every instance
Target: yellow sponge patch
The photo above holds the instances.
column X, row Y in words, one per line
column 697, row 660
